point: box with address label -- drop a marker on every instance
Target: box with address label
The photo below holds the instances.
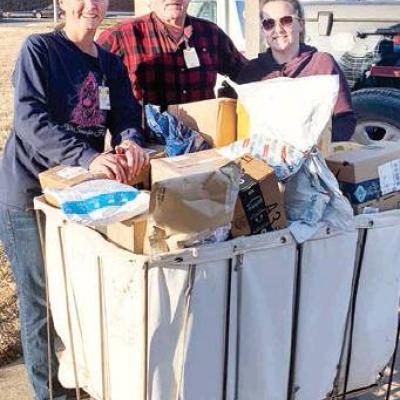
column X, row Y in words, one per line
column 369, row 172
column 61, row 177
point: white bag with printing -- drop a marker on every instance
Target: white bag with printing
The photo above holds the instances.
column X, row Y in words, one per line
column 287, row 118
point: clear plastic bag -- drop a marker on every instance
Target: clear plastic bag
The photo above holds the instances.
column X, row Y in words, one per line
column 100, row 202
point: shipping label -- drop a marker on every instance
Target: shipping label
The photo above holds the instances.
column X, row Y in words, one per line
column 389, row 177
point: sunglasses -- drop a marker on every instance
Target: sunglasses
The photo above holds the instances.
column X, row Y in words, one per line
column 286, row 21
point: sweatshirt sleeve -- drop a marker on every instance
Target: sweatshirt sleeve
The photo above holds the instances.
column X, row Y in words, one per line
column 230, row 59
column 343, row 120
column 126, row 113
column 32, row 123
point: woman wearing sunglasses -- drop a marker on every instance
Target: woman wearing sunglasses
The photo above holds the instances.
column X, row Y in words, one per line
column 287, row 56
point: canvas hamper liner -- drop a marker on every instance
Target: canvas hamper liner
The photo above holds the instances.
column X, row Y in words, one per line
column 245, row 319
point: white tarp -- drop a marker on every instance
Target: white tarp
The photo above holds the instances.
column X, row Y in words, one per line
column 265, row 296
column 376, row 313
column 186, row 328
column 112, row 365
column 327, row 264
column 187, row 320
column 180, row 303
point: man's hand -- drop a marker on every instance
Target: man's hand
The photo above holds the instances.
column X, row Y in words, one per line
column 136, row 157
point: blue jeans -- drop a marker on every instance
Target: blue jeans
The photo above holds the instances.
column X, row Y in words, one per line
column 20, row 237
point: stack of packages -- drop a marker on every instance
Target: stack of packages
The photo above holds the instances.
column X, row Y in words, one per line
column 205, row 198
column 275, row 177
column 118, row 211
column 287, row 130
column 196, row 198
column 369, row 176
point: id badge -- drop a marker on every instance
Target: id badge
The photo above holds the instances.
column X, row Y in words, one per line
column 104, row 98
column 191, row 58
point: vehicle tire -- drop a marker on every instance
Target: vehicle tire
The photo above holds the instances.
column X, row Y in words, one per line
column 378, row 114
column 38, row 15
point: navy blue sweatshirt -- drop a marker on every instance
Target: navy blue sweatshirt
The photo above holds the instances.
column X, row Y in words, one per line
column 57, row 117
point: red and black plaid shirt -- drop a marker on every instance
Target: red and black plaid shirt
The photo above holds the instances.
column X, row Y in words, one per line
column 156, row 64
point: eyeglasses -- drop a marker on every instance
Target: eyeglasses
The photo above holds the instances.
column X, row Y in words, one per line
column 286, row 21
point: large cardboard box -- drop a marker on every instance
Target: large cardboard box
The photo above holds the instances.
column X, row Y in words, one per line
column 260, row 204
column 358, row 170
column 390, row 201
column 216, row 119
column 127, row 234
column 192, row 196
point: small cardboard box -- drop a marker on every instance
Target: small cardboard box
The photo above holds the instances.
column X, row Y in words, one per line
column 187, row 164
column 127, row 234
column 216, row 119
column 61, row 177
column 357, row 170
column 260, row 204
column 389, row 202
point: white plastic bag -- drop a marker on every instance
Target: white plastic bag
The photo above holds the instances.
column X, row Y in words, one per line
column 294, row 111
column 287, row 118
column 100, row 202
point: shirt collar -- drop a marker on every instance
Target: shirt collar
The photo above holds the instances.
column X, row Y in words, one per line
column 161, row 26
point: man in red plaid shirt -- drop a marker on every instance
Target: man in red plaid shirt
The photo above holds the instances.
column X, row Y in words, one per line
column 171, row 57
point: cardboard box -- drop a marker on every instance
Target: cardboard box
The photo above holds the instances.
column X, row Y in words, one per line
column 61, row 177
column 389, row 202
column 186, row 164
column 192, row 195
column 127, row 234
column 357, row 170
column 216, row 119
column 260, row 204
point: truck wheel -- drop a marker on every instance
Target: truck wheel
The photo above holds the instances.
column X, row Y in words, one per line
column 378, row 114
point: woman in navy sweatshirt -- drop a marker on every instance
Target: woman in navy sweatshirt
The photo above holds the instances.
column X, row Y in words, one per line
column 283, row 27
column 68, row 91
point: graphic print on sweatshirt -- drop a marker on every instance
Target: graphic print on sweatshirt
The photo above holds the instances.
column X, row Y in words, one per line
column 87, row 112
